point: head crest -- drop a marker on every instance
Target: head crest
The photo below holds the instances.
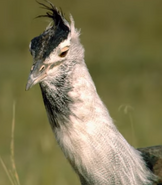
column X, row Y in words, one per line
column 53, row 13
column 44, row 44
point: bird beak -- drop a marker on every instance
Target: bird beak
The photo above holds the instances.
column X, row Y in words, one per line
column 37, row 73
column 30, row 82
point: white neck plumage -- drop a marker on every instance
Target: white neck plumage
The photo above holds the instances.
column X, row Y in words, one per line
column 90, row 141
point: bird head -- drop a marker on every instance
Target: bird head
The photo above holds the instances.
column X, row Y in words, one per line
column 54, row 47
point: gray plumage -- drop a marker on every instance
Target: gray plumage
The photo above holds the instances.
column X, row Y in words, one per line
column 80, row 121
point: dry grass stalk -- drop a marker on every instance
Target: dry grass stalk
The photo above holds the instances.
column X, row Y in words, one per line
column 12, row 174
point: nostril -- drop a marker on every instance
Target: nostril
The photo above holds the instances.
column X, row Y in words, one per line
column 42, row 68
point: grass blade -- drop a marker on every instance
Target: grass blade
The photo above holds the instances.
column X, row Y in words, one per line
column 12, row 147
column 7, row 172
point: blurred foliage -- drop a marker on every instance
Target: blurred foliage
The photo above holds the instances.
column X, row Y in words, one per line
column 123, row 43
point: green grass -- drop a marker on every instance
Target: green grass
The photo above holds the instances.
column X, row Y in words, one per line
column 123, row 43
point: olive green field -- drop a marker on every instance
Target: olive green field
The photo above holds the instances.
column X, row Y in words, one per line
column 123, row 51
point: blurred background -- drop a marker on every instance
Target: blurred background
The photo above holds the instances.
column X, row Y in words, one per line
column 123, row 44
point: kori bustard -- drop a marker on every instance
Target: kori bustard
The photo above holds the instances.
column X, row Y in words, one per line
column 83, row 128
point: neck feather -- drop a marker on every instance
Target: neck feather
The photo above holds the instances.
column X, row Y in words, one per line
column 56, row 100
column 86, row 133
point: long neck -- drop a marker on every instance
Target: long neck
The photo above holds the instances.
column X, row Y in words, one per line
column 86, row 134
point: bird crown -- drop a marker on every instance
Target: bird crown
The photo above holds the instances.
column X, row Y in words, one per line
column 57, row 31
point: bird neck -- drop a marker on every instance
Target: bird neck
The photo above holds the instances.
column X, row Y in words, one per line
column 86, row 133
column 56, row 100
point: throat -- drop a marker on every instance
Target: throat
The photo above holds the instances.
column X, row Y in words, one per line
column 57, row 101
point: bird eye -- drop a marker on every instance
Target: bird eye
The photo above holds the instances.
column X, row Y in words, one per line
column 64, row 52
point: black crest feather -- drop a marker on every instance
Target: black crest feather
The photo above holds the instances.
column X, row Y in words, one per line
column 53, row 13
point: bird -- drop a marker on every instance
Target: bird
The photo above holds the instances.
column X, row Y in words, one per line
column 80, row 121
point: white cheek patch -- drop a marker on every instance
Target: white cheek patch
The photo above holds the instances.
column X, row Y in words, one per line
column 65, row 43
column 53, row 57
